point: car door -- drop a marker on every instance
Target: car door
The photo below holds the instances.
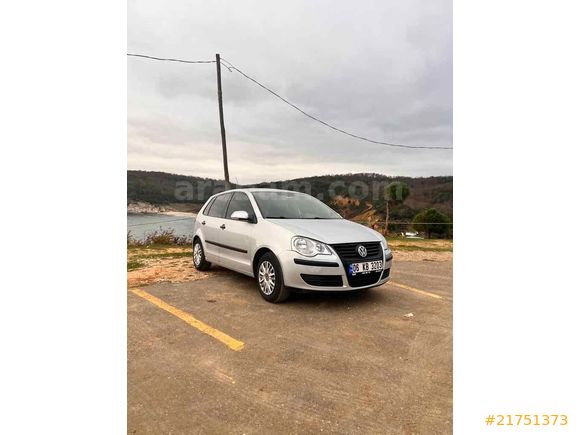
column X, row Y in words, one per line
column 212, row 222
column 238, row 236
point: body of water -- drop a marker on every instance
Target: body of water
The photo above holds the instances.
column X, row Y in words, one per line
column 142, row 224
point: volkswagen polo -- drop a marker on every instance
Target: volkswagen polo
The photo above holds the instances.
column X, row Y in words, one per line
column 287, row 240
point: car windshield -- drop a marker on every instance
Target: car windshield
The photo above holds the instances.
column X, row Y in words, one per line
column 292, row 205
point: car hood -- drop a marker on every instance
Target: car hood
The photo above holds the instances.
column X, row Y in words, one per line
column 329, row 230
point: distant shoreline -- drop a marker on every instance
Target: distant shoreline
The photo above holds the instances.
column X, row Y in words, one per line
column 140, row 207
column 165, row 213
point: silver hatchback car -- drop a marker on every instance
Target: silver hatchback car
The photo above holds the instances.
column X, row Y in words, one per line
column 288, row 240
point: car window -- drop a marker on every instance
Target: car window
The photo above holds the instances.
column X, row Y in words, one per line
column 218, row 208
column 240, row 202
column 207, row 207
column 292, row 205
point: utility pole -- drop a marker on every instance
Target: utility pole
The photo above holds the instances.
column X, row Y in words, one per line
column 222, row 127
column 387, row 217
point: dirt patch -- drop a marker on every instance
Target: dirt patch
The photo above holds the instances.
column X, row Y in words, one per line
column 422, row 250
column 421, row 255
column 165, row 270
column 427, row 244
column 162, row 264
column 149, row 253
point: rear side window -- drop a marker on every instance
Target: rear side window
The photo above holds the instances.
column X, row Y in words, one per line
column 220, row 203
column 205, row 211
column 240, row 202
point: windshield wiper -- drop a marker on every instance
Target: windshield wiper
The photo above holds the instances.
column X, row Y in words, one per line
column 276, row 217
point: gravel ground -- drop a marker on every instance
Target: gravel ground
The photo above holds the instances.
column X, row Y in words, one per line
column 319, row 363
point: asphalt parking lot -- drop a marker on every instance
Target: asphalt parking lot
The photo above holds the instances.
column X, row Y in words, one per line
column 319, row 363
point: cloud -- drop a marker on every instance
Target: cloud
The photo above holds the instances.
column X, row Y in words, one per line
column 381, row 69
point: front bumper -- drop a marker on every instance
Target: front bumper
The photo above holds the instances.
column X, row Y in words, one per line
column 321, row 273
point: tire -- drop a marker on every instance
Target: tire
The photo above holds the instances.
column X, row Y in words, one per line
column 270, row 280
column 199, row 262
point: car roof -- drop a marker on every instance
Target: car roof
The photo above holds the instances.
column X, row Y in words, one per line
column 257, row 189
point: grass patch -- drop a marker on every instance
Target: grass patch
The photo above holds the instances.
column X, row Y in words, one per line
column 398, row 247
column 133, row 248
column 164, row 255
column 399, row 239
column 132, row 265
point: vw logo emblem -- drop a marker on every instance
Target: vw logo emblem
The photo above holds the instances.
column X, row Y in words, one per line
column 362, row 251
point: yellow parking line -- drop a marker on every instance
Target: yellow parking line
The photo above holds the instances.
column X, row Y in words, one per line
column 416, row 290
column 230, row 342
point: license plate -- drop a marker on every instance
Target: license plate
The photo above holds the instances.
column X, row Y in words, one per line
column 366, row 267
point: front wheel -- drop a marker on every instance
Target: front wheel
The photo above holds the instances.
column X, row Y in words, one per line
column 199, row 260
column 270, row 279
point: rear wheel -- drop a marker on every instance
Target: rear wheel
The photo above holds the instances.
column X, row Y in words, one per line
column 199, row 260
column 270, row 279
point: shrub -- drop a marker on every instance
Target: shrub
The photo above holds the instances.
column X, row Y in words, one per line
column 431, row 221
column 159, row 237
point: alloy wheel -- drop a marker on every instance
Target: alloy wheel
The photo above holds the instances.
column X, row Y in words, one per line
column 197, row 254
column 266, row 277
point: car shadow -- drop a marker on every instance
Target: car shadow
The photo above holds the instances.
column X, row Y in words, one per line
column 351, row 297
column 308, row 297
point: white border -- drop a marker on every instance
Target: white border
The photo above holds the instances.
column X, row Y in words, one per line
column 516, row 303
column 63, row 175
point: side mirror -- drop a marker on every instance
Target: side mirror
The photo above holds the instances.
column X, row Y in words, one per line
column 240, row 215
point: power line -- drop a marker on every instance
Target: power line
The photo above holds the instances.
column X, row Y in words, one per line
column 230, row 66
column 170, row 59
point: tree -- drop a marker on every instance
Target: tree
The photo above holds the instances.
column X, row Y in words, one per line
column 396, row 193
column 431, row 221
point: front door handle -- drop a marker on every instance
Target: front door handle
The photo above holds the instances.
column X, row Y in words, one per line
column 223, row 226
column 203, row 222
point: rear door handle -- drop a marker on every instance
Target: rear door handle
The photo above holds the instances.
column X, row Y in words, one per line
column 203, row 222
column 223, row 226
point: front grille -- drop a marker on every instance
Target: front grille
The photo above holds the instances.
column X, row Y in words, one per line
column 348, row 254
column 322, row 280
column 348, row 251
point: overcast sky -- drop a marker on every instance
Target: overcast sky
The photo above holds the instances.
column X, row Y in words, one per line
column 380, row 69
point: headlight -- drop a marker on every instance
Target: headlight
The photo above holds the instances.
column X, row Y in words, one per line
column 384, row 243
column 309, row 247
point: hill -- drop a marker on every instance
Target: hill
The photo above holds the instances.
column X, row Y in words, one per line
column 355, row 196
